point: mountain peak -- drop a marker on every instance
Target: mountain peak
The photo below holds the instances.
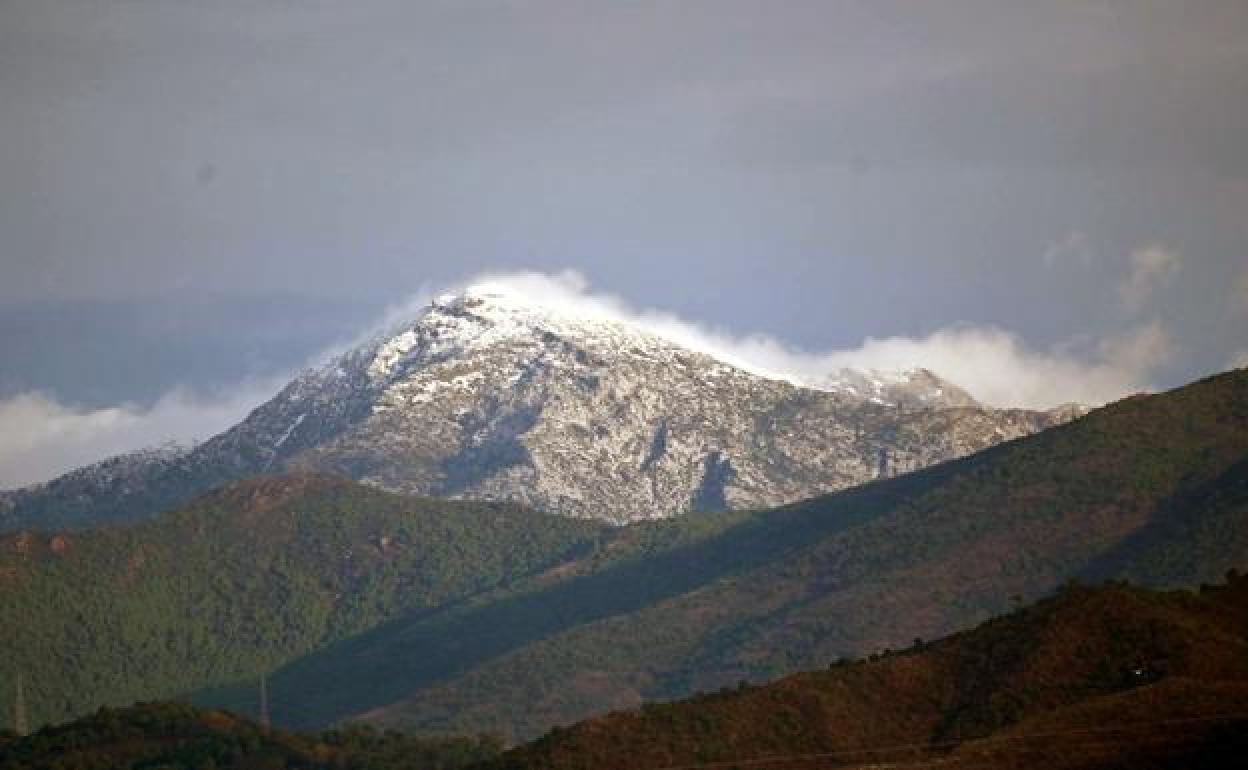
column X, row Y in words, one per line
column 497, row 316
column 488, row 313
column 573, row 405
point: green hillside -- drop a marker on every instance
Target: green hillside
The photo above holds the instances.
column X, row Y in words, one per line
column 243, row 580
column 1109, row 677
column 1150, row 488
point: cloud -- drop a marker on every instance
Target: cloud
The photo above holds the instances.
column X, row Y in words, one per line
column 999, row 368
column 1152, row 267
column 1075, row 247
column 995, row 365
column 40, row 437
column 1238, row 360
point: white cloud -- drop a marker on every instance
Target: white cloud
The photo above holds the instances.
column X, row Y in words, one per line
column 995, row 365
column 999, row 368
column 1238, row 360
column 41, row 438
column 1152, row 267
column 1075, row 247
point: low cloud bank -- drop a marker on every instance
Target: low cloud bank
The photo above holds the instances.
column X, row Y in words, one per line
column 995, row 365
column 40, row 437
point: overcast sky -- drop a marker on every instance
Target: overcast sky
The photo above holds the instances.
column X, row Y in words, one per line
column 196, row 197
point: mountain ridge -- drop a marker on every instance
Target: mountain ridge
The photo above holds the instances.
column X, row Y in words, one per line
column 488, row 395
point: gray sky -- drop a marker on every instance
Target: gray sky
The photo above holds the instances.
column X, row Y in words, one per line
column 1072, row 176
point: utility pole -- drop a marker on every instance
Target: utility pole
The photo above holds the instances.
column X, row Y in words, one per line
column 20, row 724
column 264, row 703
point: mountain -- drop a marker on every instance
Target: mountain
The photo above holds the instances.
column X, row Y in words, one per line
column 442, row 616
column 1092, row 678
column 488, row 395
column 244, row 579
column 1153, row 488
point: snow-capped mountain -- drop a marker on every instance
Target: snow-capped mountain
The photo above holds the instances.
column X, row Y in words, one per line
column 488, row 395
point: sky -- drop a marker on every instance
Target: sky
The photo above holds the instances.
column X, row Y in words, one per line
column 1044, row 202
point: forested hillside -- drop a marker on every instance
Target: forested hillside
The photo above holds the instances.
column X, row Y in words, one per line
column 1108, row 677
column 243, row 580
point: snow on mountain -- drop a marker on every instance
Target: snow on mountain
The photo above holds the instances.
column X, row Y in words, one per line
column 486, row 394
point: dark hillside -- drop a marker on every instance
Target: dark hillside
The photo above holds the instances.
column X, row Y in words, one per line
column 1106, row 677
column 169, row 735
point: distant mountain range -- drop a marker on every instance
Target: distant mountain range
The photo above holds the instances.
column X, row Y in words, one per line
column 486, row 395
column 443, row 616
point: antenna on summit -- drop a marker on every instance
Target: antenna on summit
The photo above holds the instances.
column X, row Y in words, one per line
column 20, row 724
column 265, row 722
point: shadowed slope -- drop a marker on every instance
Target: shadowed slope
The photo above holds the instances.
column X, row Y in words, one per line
column 1113, row 676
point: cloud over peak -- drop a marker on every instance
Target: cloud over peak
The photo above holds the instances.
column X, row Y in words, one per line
column 996, row 365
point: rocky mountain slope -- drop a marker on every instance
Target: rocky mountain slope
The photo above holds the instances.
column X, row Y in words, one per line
column 488, row 395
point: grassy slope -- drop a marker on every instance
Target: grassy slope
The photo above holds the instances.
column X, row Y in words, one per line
column 1151, row 487
column 242, row 580
column 1069, row 668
